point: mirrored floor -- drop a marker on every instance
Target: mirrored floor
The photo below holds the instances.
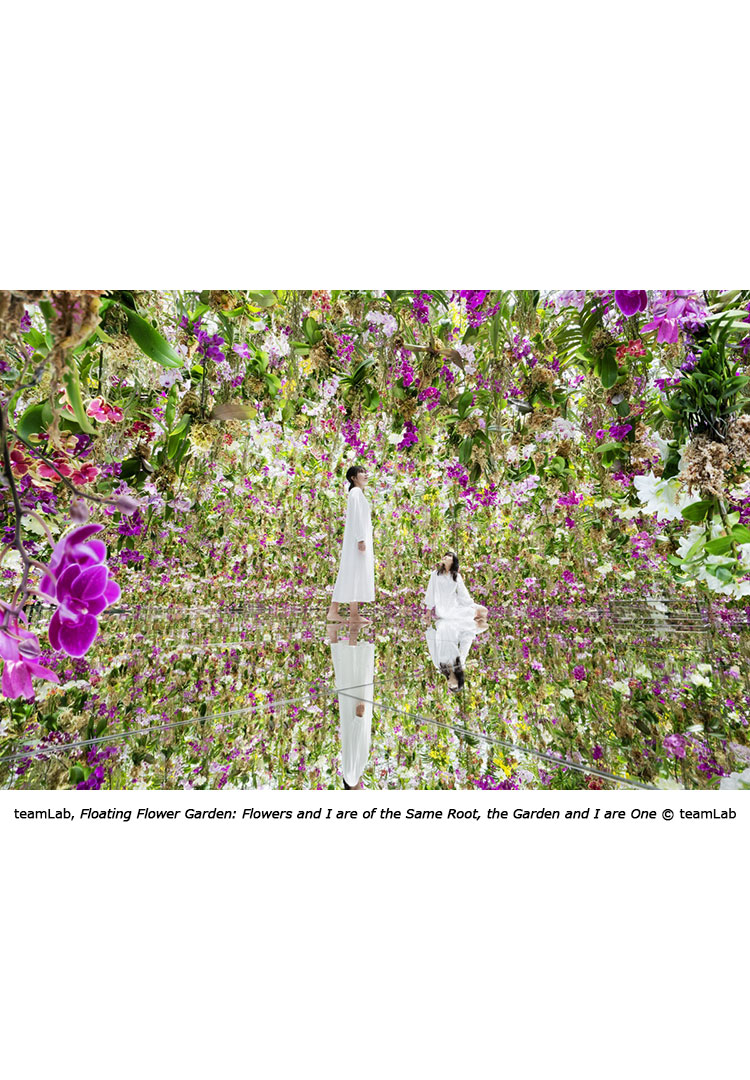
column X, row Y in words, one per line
column 637, row 696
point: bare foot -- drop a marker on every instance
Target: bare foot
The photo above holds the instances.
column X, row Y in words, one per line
column 359, row 621
column 335, row 617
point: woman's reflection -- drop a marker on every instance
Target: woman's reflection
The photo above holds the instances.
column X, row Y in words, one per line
column 354, row 672
column 449, row 642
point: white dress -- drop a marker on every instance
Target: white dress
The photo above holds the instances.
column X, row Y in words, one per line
column 354, row 672
column 356, row 577
column 449, row 598
column 450, row 638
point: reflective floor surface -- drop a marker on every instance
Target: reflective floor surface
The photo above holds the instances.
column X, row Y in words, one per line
column 635, row 696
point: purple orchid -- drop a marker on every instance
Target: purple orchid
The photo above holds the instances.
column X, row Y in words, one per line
column 82, row 588
column 673, row 310
column 675, row 745
column 631, row 301
column 20, row 649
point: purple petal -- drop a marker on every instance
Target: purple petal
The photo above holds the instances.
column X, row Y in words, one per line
column 53, row 631
column 628, row 301
column 42, row 672
column 89, row 583
column 97, row 605
column 46, row 586
column 8, row 647
column 17, row 681
column 77, row 638
column 81, row 534
column 92, row 553
column 65, row 580
column 112, row 592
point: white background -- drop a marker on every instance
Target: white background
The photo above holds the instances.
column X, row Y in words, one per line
column 171, row 145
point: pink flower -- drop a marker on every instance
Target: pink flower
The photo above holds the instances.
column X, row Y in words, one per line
column 19, row 649
column 98, row 410
column 82, row 589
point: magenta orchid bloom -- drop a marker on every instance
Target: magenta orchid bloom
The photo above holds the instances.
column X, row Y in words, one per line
column 82, row 588
column 631, row 301
column 674, row 309
column 102, row 411
column 20, row 649
column 98, row 410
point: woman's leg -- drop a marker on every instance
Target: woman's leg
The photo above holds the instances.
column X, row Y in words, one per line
column 354, row 615
column 333, row 613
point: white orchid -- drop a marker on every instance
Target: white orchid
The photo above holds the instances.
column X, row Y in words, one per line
column 665, row 498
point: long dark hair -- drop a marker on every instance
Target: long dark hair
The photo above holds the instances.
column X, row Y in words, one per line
column 456, row 668
column 454, row 566
column 352, row 473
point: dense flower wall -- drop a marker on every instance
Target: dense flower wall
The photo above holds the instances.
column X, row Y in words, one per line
column 578, row 449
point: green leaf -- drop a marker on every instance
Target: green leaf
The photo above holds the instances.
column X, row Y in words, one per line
column 720, row 546
column 697, row 510
column 264, row 298
column 130, row 467
column 669, row 413
column 698, row 546
column 150, row 341
column 176, row 436
column 741, row 534
column 73, row 390
column 311, row 330
column 171, row 408
column 608, row 369
column 32, row 421
column 464, row 454
column 464, row 402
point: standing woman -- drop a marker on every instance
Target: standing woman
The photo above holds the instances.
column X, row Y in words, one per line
column 355, row 583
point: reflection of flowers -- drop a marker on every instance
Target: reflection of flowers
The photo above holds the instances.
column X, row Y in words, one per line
column 82, row 588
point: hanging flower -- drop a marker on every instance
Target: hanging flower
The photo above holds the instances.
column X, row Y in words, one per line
column 631, row 301
column 20, row 649
column 81, row 587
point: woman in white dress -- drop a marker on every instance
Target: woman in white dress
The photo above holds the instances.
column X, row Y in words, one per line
column 448, row 643
column 355, row 583
column 448, row 595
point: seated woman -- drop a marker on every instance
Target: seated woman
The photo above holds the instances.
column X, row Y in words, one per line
column 447, row 594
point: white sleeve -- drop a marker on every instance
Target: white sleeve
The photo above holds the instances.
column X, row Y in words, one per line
column 429, row 596
column 463, row 592
column 355, row 508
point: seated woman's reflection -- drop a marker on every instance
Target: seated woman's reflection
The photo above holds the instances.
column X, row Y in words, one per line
column 354, row 672
column 449, row 641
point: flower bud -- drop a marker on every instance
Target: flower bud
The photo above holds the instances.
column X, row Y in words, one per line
column 126, row 505
column 29, row 648
column 79, row 511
